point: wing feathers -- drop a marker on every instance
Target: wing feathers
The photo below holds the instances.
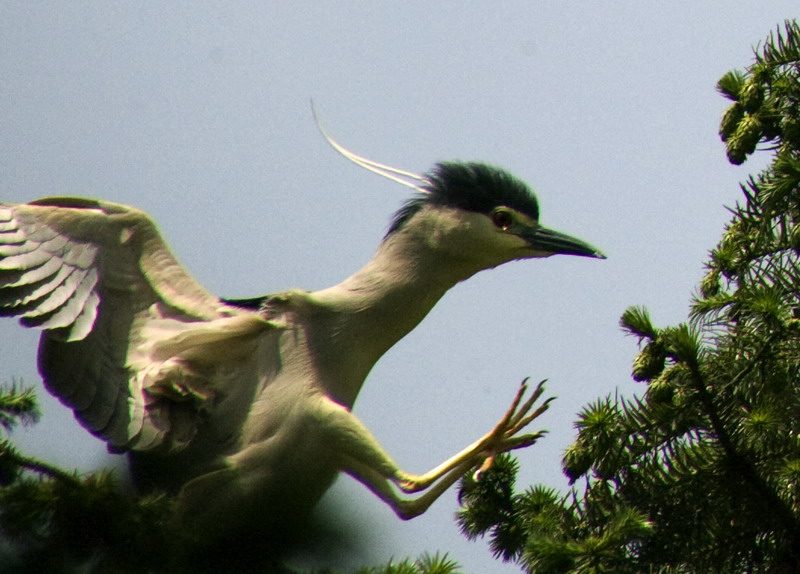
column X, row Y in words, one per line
column 40, row 282
column 10, row 246
column 83, row 323
column 56, row 313
column 46, row 278
column 52, row 266
column 57, row 297
column 89, row 274
column 80, row 255
column 32, row 258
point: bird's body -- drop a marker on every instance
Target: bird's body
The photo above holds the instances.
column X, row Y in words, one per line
column 245, row 410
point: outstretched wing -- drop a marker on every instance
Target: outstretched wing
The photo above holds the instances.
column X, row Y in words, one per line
column 130, row 340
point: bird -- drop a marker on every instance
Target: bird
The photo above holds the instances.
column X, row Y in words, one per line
column 243, row 407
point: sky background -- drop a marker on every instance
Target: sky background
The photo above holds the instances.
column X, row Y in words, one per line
column 198, row 113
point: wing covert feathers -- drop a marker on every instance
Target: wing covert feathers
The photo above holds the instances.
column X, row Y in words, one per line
column 129, row 337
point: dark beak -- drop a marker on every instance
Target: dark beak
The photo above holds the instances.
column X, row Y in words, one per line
column 554, row 242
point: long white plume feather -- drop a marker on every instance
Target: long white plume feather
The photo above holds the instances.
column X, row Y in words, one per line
column 407, row 178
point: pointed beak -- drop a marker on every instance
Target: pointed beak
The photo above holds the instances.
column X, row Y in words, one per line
column 553, row 242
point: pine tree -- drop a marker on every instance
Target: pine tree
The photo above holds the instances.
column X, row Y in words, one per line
column 701, row 473
column 53, row 520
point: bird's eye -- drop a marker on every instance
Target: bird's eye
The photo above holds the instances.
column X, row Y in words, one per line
column 502, row 219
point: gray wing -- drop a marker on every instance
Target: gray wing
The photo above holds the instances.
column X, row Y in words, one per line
column 129, row 337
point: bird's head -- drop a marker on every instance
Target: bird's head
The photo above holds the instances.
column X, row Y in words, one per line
column 472, row 211
column 483, row 212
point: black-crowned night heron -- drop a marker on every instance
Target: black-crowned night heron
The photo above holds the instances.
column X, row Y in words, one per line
column 244, row 407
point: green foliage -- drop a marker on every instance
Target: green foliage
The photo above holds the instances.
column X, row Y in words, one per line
column 425, row 565
column 544, row 531
column 764, row 105
column 54, row 521
column 489, row 506
column 700, row 473
column 17, row 406
column 54, row 524
column 636, row 321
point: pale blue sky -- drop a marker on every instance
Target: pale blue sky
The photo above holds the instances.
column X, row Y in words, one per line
column 198, row 113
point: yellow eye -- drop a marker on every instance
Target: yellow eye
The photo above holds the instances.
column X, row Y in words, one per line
column 502, row 219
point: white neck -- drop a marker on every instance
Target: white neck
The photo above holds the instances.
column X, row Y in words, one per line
column 370, row 311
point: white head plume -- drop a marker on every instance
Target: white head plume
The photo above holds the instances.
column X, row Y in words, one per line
column 401, row 176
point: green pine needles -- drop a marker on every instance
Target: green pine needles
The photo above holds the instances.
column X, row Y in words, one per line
column 52, row 520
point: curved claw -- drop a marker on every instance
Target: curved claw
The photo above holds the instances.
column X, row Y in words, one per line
column 487, row 464
column 410, row 485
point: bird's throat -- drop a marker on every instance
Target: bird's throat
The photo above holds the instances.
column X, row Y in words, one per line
column 371, row 310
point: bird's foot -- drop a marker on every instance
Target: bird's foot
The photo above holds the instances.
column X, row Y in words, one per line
column 503, row 437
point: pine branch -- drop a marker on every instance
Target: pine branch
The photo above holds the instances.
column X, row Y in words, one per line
column 10, row 458
column 17, row 406
column 739, row 462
